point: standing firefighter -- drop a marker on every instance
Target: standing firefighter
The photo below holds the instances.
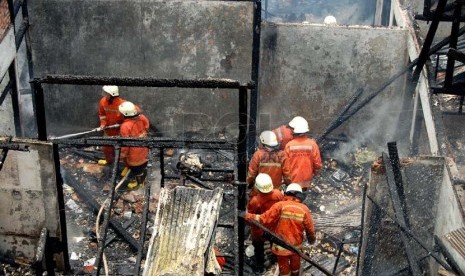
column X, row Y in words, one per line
column 268, row 159
column 136, row 158
column 289, row 219
column 259, row 204
column 284, row 135
column 303, row 158
column 109, row 115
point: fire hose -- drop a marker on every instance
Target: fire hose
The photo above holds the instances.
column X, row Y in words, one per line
column 85, row 132
column 276, row 239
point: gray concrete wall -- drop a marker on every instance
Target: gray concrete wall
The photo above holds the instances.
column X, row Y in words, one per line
column 313, row 71
column 160, row 39
column 28, row 200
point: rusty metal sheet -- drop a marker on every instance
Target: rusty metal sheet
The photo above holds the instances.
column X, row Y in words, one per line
column 184, row 226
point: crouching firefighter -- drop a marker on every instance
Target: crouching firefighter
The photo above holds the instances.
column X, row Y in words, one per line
column 289, row 219
column 134, row 125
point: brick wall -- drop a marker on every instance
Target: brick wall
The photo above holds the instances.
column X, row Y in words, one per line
column 4, row 17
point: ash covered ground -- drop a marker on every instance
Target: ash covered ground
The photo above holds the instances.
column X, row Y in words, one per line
column 335, row 201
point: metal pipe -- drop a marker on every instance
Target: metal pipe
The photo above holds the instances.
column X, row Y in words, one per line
column 147, row 82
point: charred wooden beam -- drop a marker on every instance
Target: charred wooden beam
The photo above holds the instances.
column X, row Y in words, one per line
column 444, row 18
column 391, row 172
column 154, row 142
column 14, row 98
column 453, row 44
column 457, row 88
column 39, row 109
column 95, row 206
column 143, row 226
column 456, row 55
column 448, row 256
column 144, row 82
column 278, row 240
column 410, row 234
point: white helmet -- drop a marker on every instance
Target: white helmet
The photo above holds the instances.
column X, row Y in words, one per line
column 263, row 183
column 268, row 138
column 128, row 109
column 299, row 125
column 111, row 89
column 330, row 20
column 294, row 187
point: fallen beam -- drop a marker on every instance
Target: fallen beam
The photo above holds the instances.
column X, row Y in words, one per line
column 274, row 238
column 91, row 202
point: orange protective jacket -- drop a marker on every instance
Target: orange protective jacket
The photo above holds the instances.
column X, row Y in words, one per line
column 283, row 135
column 302, row 160
column 289, row 219
column 259, row 204
column 269, row 162
column 109, row 114
column 135, row 127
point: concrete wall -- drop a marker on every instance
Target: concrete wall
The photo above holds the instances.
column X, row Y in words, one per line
column 313, row 71
column 28, row 200
column 160, row 39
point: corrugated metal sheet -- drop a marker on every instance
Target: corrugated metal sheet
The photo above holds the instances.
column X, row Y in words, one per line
column 457, row 240
column 184, row 225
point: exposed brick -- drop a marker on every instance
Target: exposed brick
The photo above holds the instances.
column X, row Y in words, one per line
column 4, row 17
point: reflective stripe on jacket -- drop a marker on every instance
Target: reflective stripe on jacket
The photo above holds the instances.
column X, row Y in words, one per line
column 289, row 219
column 110, row 115
column 135, row 127
column 269, row 162
column 302, row 160
column 283, row 135
column 259, row 204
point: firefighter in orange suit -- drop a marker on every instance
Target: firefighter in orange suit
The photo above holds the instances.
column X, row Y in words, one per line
column 136, row 158
column 268, row 159
column 284, row 135
column 109, row 115
column 265, row 198
column 303, row 158
column 289, row 219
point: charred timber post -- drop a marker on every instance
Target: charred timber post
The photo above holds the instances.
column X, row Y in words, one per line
column 107, row 215
column 338, row 119
column 15, row 99
column 242, row 170
column 39, row 109
column 395, row 163
column 362, row 225
column 276, row 239
column 143, row 226
column 448, row 256
column 411, row 235
column 453, row 43
column 60, row 245
column 141, row 82
column 161, row 155
column 455, row 54
column 424, row 54
column 400, row 215
column 254, row 97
